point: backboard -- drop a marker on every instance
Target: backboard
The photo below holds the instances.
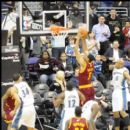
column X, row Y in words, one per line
column 38, row 22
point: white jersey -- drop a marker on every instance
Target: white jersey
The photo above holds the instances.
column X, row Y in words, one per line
column 87, row 109
column 25, row 93
column 71, row 99
column 118, row 79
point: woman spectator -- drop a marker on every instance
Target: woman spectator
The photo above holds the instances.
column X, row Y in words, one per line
column 63, row 61
column 119, row 36
column 93, row 44
column 46, row 67
column 126, row 30
column 58, row 85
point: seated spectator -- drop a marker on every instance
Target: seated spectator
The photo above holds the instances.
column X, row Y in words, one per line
column 70, row 52
column 114, row 53
column 93, row 44
column 112, row 19
column 73, row 77
column 63, row 61
column 126, row 30
column 98, row 71
column 46, row 67
column 59, row 83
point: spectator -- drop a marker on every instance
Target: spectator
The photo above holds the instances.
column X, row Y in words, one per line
column 36, row 46
column 25, row 46
column 73, row 77
column 98, row 73
column 46, row 67
column 75, row 16
column 63, row 61
column 93, row 44
column 9, row 22
column 102, row 33
column 112, row 19
column 27, row 20
column 93, row 18
column 118, row 36
column 69, row 50
column 59, row 83
column 126, row 30
column 114, row 53
column 58, row 44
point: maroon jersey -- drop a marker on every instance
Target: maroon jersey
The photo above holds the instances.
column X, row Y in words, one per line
column 85, row 78
column 78, row 123
column 8, row 107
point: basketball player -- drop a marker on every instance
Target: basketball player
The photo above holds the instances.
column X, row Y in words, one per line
column 86, row 68
column 70, row 98
column 77, row 122
column 91, row 109
column 120, row 95
column 24, row 111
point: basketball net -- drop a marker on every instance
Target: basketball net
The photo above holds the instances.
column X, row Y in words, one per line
column 59, row 31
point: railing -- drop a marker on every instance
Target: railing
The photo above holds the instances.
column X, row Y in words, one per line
column 122, row 11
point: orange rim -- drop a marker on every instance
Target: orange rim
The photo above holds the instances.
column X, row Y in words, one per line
column 57, row 29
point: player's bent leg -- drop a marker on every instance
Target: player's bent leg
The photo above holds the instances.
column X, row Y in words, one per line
column 117, row 120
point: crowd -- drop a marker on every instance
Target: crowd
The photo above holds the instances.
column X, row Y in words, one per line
column 86, row 71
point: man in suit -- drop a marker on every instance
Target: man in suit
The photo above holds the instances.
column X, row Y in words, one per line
column 114, row 53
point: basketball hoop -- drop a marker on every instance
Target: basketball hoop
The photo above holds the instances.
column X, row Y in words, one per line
column 59, row 34
column 57, row 30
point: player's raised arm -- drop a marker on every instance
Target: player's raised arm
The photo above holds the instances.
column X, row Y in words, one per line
column 78, row 55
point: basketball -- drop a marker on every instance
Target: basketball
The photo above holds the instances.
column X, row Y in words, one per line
column 83, row 31
column 8, row 107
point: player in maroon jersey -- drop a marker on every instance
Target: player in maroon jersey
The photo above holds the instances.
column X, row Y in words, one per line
column 8, row 107
column 10, row 102
column 77, row 122
column 86, row 68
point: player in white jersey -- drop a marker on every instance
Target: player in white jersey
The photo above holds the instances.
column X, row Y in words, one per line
column 120, row 95
column 91, row 109
column 70, row 98
column 24, row 112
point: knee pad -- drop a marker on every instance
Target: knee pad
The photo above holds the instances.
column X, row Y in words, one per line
column 126, row 121
column 117, row 122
